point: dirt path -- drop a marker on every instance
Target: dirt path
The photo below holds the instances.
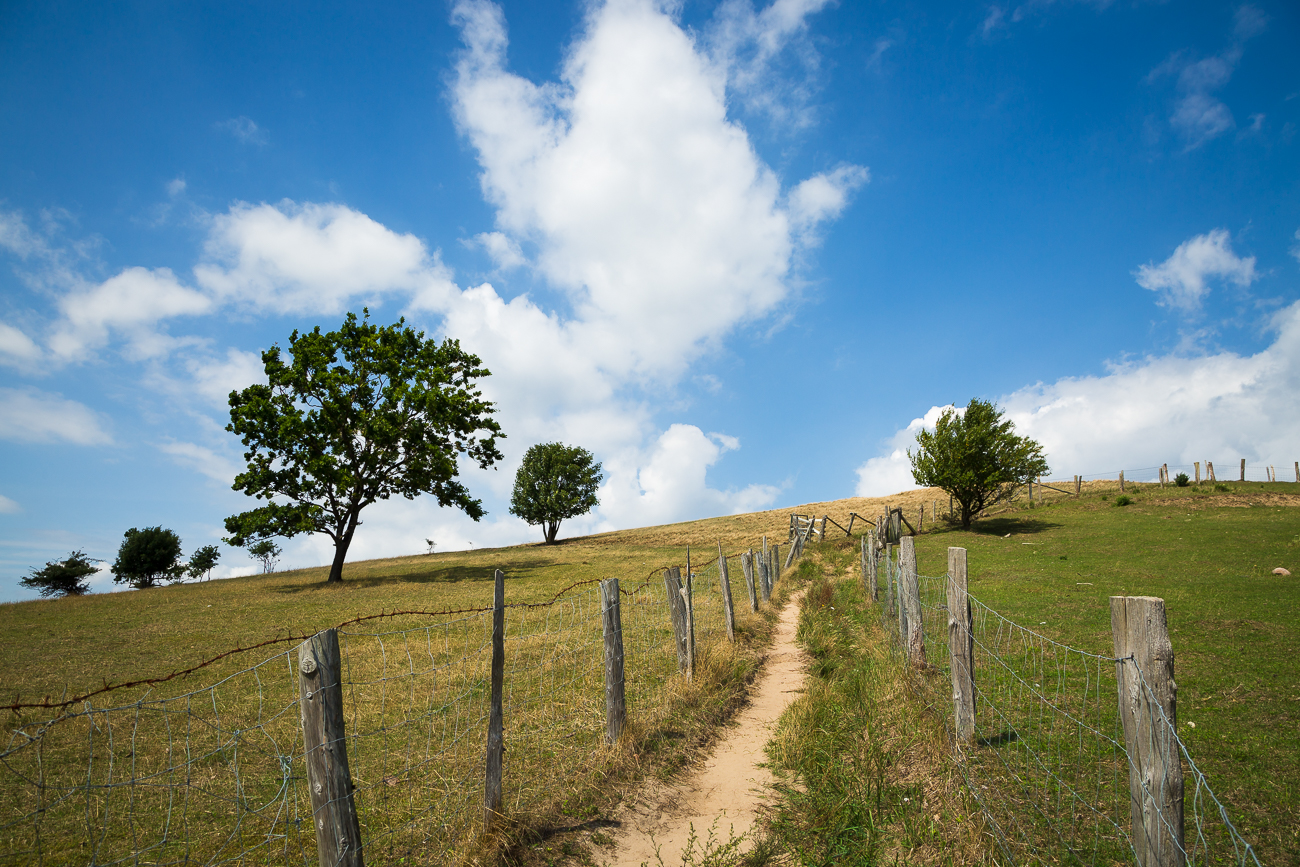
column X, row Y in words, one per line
column 727, row 787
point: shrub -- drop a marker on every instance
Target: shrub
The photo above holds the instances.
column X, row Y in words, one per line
column 1181, row 480
column 1222, row 488
column 1123, row 500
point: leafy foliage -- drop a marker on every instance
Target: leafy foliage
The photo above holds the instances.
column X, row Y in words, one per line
column 976, row 457
column 62, row 577
column 203, row 561
column 265, row 552
column 354, row 416
column 1181, row 480
column 555, row 482
column 148, row 556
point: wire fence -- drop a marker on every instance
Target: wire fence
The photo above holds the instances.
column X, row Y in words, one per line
column 1050, row 763
column 217, row 775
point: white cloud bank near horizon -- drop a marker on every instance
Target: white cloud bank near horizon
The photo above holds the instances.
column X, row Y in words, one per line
column 1162, row 409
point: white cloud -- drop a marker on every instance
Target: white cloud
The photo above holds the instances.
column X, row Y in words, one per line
column 292, row 258
column 1167, row 409
column 824, row 196
column 504, row 250
column 215, row 466
column 1181, row 280
column 8, row 506
column 131, row 303
column 16, row 348
column 213, row 379
column 1295, row 248
column 28, row 415
column 175, row 187
column 644, row 200
column 891, row 471
column 244, row 129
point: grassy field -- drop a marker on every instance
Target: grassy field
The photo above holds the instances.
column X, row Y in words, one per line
column 1051, row 567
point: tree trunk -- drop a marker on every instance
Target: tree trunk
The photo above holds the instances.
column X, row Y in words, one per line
column 341, row 550
column 965, row 516
column 550, row 529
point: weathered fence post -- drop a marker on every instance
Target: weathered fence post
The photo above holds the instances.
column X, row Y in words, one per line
column 911, row 587
column 1198, row 472
column 873, row 570
column 615, row 698
column 889, row 577
column 747, row 566
column 1209, row 470
column 1243, row 469
column 1078, row 485
column 320, row 692
column 866, row 583
column 724, row 580
column 1121, row 481
column 776, row 564
column 961, row 647
column 688, row 602
column 677, row 613
column 1297, row 471
column 764, row 566
column 1148, row 709
column 496, row 747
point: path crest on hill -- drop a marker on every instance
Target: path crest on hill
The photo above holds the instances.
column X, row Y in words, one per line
column 729, row 786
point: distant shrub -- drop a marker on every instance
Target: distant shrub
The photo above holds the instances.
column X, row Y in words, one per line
column 1181, row 480
column 1123, row 500
column 1221, row 488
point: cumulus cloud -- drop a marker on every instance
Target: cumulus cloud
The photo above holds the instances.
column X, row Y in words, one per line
column 214, row 378
column 31, row 416
column 891, row 471
column 8, row 506
column 131, row 304
column 1181, row 281
column 504, row 250
column 16, row 348
column 1164, row 409
column 214, row 465
column 823, row 197
column 296, row 258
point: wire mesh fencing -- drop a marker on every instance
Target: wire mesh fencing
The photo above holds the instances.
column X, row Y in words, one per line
column 218, row 774
column 1058, row 772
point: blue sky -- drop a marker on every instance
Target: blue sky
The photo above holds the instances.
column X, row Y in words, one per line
column 739, row 251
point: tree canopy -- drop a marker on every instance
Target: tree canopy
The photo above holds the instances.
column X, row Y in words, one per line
column 555, row 482
column 62, row 577
column 976, row 457
column 203, row 561
column 148, row 556
column 354, row 416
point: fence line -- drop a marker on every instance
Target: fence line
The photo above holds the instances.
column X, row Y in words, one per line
column 221, row 774
column 1038, row 733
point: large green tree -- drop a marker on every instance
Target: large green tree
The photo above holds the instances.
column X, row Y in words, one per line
column 148, row 556
column 63, row 577
column 354, row 416
column 555, row 482
column 975, row 456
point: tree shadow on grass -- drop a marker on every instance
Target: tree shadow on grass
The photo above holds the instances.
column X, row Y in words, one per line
column 430, row 574
column 1018, row 526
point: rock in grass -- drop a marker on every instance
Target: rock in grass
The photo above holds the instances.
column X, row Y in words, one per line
column 1280, row 571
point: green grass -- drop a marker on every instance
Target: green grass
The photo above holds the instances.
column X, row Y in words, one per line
column 208, row 766
column 1235, row 627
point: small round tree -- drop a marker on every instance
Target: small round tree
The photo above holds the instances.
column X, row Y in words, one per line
column 62, row 577
column 203, row 561
column 555, row 482
column 976, row 457
column 148, row 556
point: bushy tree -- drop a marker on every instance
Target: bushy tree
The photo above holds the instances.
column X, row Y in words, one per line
column 203, row 561
column 976, row 457
column 265, row 552
column 354, row 416
column 148, row 556
column 63, row 577
column 555, row 482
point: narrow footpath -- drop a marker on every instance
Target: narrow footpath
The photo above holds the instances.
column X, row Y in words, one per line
column 728, row 787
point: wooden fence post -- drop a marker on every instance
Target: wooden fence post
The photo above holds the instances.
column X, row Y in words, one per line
column 1198, row 472
column 320, row 693
column 961, row 647
column 1297, row 471
column 1243, row 469
column 496, row 747
column 1078, row 485
column 889, row 577
column 724, row 580
column 1121, row 481
column 862, row 561
column 776, row 565
column 911, row 587
column 873, row 568
column 615, row 699
column 1148, row 710
column 747, row 566
column 688, row 602
column 677, row 613
column 764, row 565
